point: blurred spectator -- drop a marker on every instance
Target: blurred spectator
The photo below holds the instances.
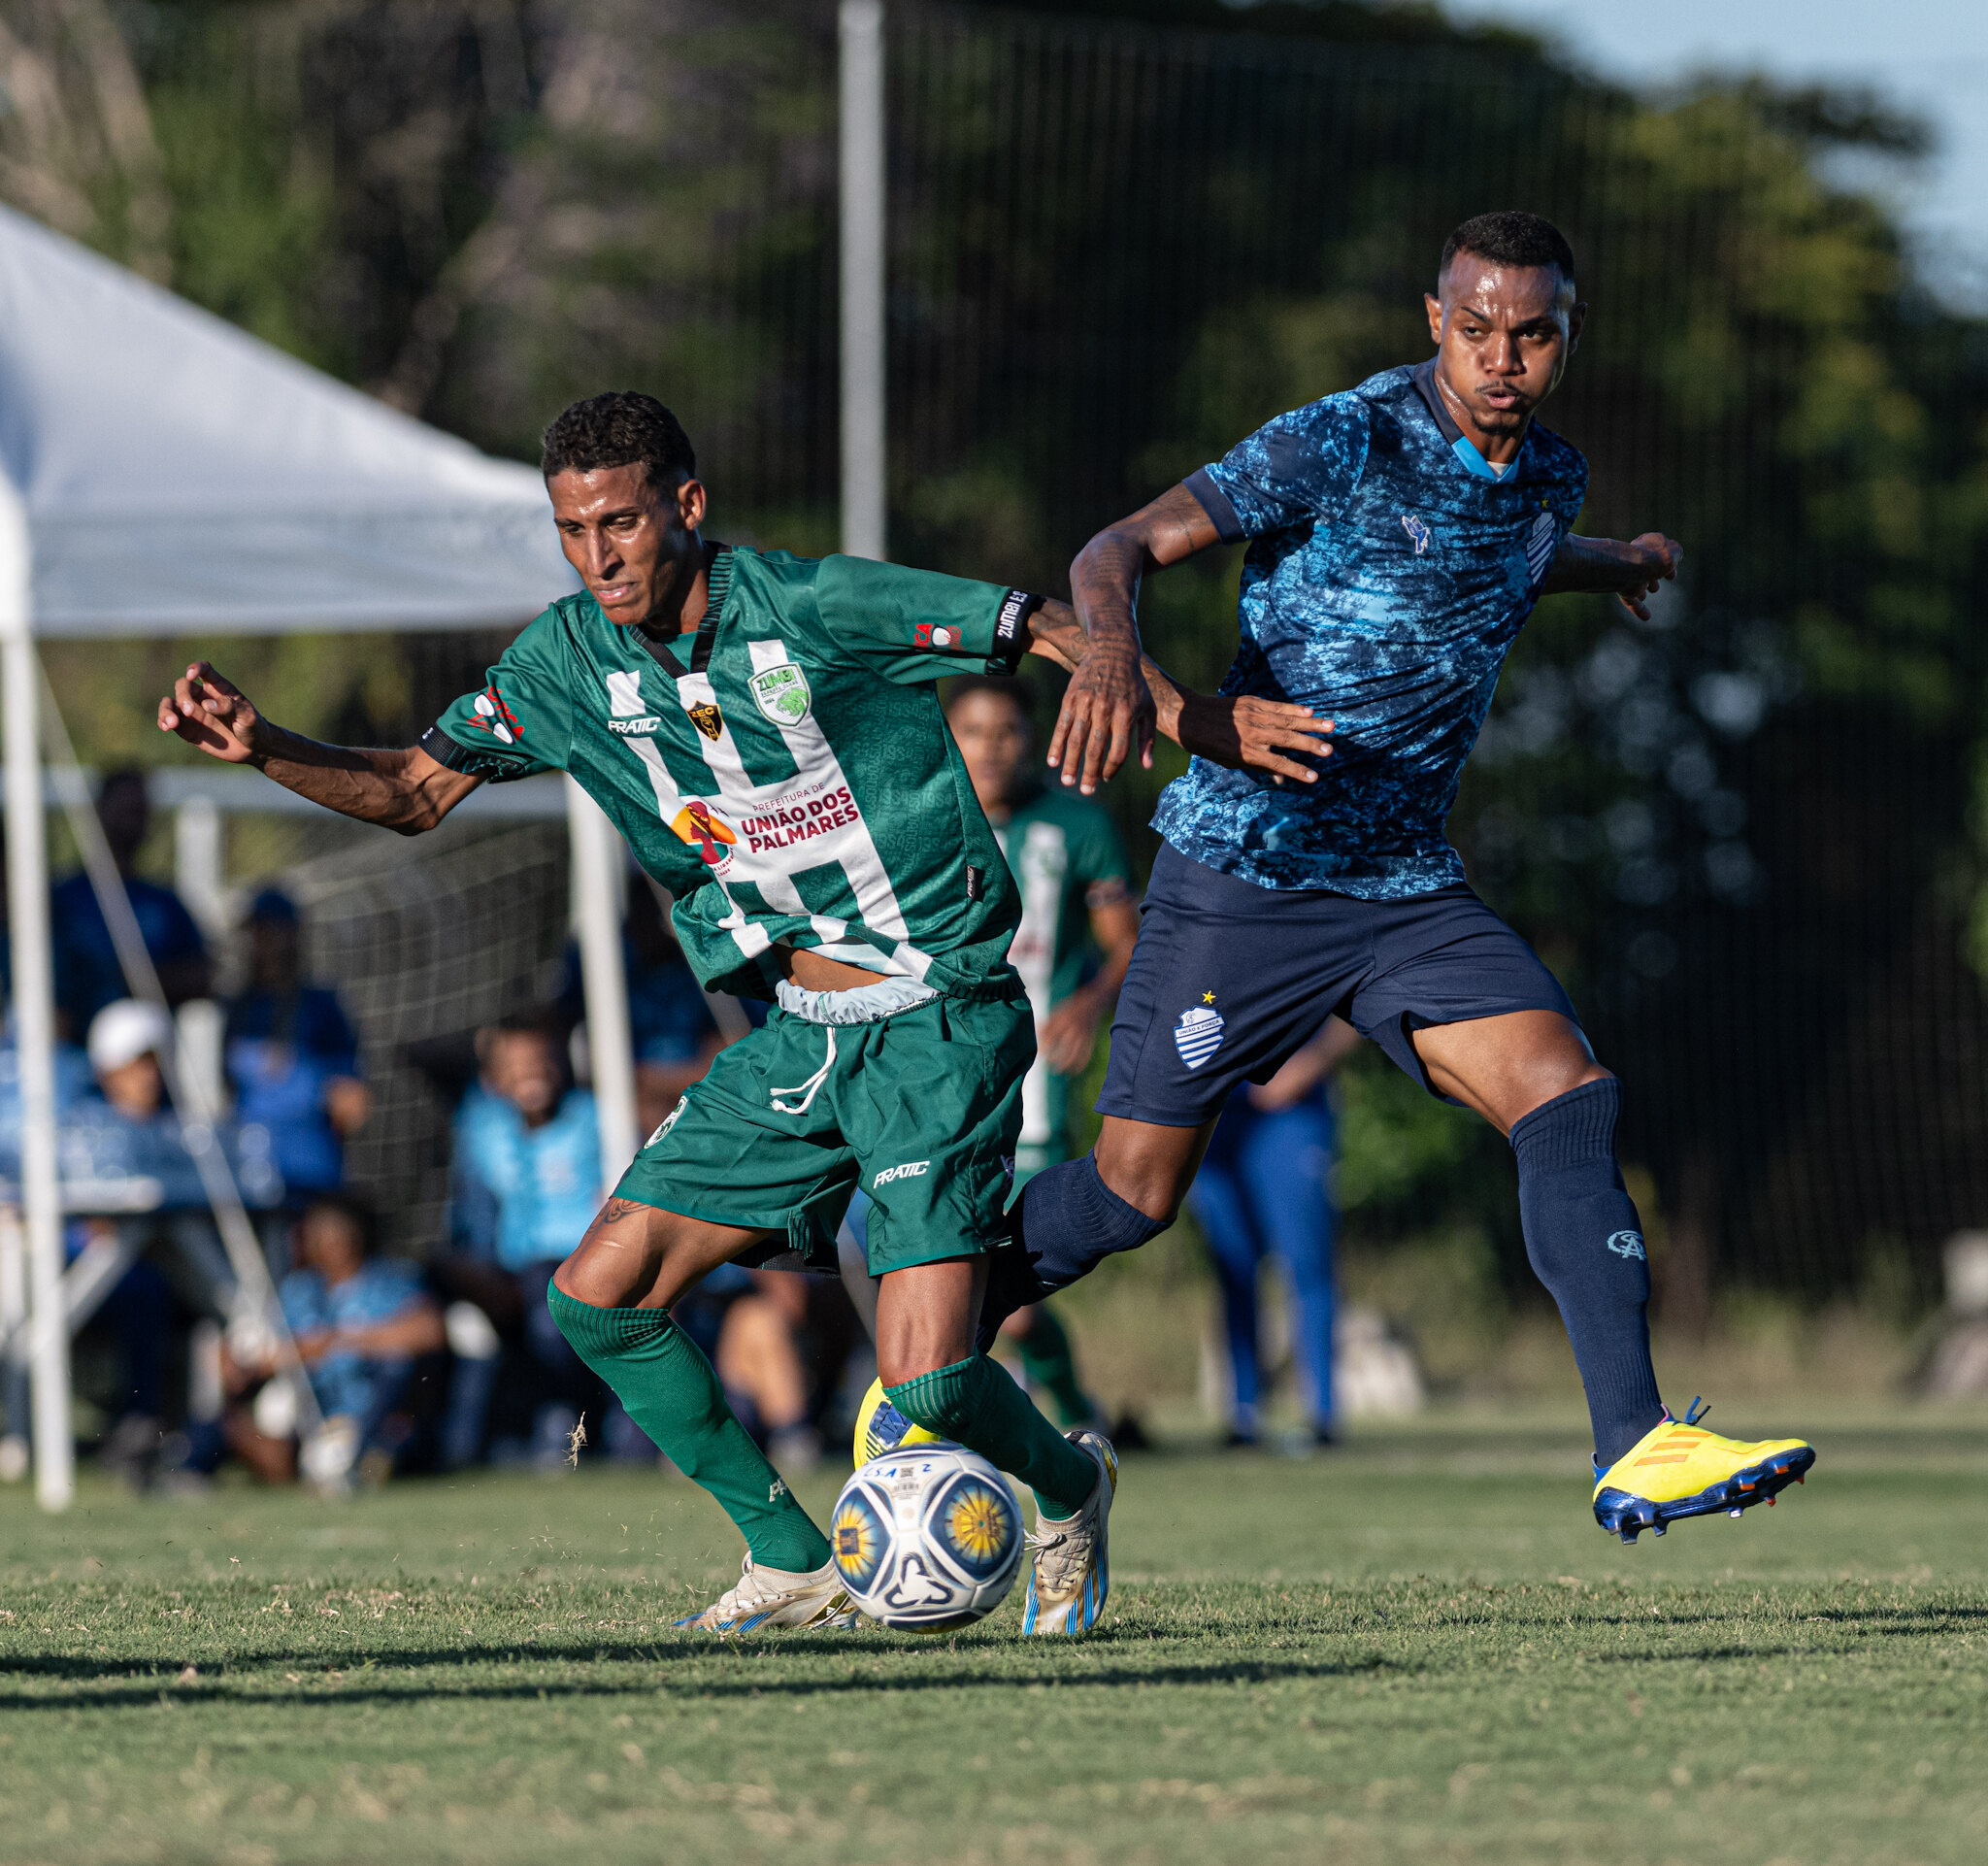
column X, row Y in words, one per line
column 527, row 1184
column 293, row 1058
column 87, row 975
column 131, row 1134
column 1079, row 923
column 673, row 1033
column 1265, row 1191
column 362, row 1324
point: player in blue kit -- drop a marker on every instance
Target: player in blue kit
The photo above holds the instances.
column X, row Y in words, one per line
column 1399, row 536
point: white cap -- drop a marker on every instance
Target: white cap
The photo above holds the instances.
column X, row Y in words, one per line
column 122, row 1032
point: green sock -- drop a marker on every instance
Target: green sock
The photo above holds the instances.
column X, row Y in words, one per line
column 670, row 1392
column 1047, row 1359
column 977, row 1403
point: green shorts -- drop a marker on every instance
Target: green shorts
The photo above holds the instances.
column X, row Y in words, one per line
column 922, row 1108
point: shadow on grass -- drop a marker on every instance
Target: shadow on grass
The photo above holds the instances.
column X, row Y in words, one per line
column 366, row 1685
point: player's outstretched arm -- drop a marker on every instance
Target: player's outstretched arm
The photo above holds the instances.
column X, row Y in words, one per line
column 1241, row 731
column 405, row 791
column 1629, row 572
column 1107, row 709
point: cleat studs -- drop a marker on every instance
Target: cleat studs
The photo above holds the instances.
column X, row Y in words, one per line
column 1769, row 1503
column 1627, row 1536
column 1736, row 1511
column 1657, row 1528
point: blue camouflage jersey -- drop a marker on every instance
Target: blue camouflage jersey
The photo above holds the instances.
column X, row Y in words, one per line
column 1390, row 571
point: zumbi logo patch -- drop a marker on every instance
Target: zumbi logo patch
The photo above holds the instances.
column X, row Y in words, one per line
column 782, row 693
column 910, row 1169
column 1628, row 1244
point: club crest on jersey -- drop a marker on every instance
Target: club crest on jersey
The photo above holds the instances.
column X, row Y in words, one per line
column 707, row 718
column 1418, row 531
column 697, row 822
column 1199, row 1033
column 935, row 634
column 781, row 694
column 488, row 713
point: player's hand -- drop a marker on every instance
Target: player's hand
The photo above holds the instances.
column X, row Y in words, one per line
column 1107, row 713
column 214, row 713
column 1652, row 562
column 1249, row 734
column 1070, row 1034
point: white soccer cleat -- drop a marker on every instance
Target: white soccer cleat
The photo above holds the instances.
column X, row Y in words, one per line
column 1071, row 1574
column 768, row 1597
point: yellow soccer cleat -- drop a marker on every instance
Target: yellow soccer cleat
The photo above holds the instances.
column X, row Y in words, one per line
column 1677, row 1469
column 881, row 1428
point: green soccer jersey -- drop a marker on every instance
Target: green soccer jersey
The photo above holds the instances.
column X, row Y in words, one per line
column 787, row 773
column 1065, row 859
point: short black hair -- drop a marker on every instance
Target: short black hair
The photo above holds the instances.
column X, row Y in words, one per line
column 356, row 1212
column 1510, row 237
column 1017, row 693
column 621, row 428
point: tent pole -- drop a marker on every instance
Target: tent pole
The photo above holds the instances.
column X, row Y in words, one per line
column 33, row 1011
column 864, row 479
column 597, row 870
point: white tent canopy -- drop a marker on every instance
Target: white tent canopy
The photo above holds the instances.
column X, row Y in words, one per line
column 163, row 472
column 180, row 475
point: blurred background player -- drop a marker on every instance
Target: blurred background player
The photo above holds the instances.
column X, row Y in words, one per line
column 1078, row 923
column 1265, row 1193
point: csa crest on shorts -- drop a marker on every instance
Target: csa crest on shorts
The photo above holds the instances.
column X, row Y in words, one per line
column 782, row 693
column 1198, row 1035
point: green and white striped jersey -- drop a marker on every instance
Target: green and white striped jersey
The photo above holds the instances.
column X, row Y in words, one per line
column 790, row 779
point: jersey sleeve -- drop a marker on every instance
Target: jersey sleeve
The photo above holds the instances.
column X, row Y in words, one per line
column 916, row 625
column 1293, row 471
column 522, row 720
column 1097, row 861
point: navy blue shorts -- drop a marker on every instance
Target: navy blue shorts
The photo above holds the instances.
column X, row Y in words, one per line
column 1229, row 979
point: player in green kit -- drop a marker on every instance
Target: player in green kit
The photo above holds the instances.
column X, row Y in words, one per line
column 1078, row 924
column 765, row 732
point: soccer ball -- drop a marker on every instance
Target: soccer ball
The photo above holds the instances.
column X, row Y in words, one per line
column 881, row 1428
column 927, row 1538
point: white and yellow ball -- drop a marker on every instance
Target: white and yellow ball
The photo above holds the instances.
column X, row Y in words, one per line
column 927, row 1538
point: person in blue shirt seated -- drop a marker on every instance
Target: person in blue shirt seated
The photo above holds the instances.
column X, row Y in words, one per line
column 127, row 1132
column 293, row 1058
column 362, row 1324
column 1265, row 1191
column 526, row 1184
column 87, row 975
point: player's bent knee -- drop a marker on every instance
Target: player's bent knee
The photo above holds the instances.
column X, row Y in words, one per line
column 1548, row 1086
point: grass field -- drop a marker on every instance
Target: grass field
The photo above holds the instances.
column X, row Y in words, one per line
column 1418, row 1647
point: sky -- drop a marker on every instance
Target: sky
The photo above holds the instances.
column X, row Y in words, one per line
column 1929, row 56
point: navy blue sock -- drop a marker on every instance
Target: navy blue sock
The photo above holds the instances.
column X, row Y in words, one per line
column 1067, row 1221
column 1585, row 1241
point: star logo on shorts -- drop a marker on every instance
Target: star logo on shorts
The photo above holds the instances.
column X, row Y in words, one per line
column 1208, row 997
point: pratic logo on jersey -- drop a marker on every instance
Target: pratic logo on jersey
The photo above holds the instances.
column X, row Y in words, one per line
column 490, row 714
column 640, row 728
column 910, row 1169
column 799, row 818
column 935, row 634
column 697, row 822
column 1418, row 531
column 1628, row 1244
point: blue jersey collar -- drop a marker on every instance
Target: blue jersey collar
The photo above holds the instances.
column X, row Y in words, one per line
column 1423, row 374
